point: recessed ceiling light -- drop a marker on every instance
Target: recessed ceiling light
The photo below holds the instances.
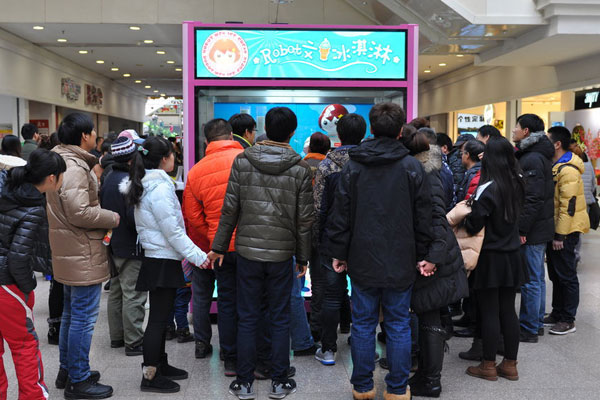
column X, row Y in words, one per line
column 61, row 40
column 460, row 55
column 83, row 51
column 427, row 71
column 126, row 75
column 178, row 69
column 135, row 28
column 148, row 41
column 138, row 81
column 114, row 69
column 155, row 91
column 99, row 61
column 147, row 86
column 38, row 28
column 170, row 62
column 161, row 52
column 162, row 95
column 442, row 64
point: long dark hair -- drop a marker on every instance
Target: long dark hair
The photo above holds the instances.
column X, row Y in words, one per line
column 148, row 156
column 11, row 146
column 500, row 165
column 41, row 163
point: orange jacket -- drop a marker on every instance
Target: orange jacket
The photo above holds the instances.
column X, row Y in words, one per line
column 205, row 191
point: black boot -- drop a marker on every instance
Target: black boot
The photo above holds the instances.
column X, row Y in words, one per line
column 448, row 325
column 168, row 371
column 431, row 359
column 475, row 353
column 53, row 330
column 153, row 381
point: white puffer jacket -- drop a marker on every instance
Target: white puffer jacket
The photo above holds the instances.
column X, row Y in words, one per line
column 159, row 221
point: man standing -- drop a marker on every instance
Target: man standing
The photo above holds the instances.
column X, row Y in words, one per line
column 79, row 259
column 570, row 220
column 244, row 129
column 97, row 151
column 32, row 139
column 380, row 227
column 470, row 161
column 269, row 199
column 536, row 223
column 202, row 202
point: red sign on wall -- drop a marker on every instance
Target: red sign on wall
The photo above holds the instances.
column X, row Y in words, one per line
column 42, row 124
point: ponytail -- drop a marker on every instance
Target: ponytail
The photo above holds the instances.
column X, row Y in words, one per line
column 148, row 156
column 41, row 163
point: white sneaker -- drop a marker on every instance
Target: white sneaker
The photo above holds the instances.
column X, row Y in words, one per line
column 326, row 358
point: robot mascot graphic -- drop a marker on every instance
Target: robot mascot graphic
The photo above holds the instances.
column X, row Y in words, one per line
column 329, row 119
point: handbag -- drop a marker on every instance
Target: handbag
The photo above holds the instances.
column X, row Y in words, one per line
column 594, row 214
column 470, row 245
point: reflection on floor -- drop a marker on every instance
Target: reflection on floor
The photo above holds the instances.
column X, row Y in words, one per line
column 556, row 367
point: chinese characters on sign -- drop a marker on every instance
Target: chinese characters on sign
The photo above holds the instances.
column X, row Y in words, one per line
column 93, row 96
column 70, row 89
column 301, row 54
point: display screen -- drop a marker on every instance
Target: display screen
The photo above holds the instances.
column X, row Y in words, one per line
column 300, row 54
column 311, row 118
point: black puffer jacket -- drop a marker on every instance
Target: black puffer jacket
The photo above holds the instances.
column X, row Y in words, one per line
column 449, row 283
column 269, row 199
column 381, row 218
column 537, row 217
column 23, row 235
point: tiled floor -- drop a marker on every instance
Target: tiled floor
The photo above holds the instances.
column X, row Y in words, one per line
column 557, row 367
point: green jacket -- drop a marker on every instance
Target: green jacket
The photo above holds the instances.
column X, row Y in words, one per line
column 28, row 147
column 269, row 199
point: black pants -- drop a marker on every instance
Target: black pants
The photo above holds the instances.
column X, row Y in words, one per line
column 162, row 304
column 55, row 301
column 498, row 315
column 257, row 283
column 562, row 271
column 316, row 288
column 334, row 290
column 430, row 318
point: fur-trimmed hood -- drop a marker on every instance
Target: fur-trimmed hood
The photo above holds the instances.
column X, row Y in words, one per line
column 431, row 159
column 536, row 142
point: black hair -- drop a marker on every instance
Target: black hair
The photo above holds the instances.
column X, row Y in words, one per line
column 280, row 124
column 351, row 129
column 319, row 143
column 429, row 134
column 28, row 131
column 105, row 148
column 11, row 146
column 444, row 140
column 240, row 123
column 415, row 141
column 72, row 126
column 99, row 139
column 41, row 163
column 491, row 131
column 387, row 119
column 49, row 142
column 562, row 135
column 531, row 122
column 474, row 148
column 148, row 156
column 500, row 165
column 420, row 123
column 216, row 129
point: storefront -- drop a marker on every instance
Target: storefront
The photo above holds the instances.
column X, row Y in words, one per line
column 584, row 121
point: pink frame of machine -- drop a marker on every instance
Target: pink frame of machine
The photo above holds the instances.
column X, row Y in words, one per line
column 190, row 83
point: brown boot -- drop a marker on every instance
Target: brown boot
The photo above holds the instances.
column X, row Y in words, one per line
column 391, row 396
column 485, row 370
column 370, row 395
column 508, row 369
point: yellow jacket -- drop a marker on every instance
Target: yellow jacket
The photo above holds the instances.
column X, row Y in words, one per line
column 570, row 209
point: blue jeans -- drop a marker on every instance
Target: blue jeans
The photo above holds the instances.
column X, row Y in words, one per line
column 533, row 293
column 365, row 317
column 182, row 306
column 81, row 307
column 299, row 328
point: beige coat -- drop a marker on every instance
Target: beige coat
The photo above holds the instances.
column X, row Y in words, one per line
column 77, row 223
column 470, row 246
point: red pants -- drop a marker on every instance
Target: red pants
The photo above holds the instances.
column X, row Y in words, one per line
column 16, row 327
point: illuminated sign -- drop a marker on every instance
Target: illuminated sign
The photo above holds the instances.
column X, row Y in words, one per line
column 586, row 99
column 300, row 54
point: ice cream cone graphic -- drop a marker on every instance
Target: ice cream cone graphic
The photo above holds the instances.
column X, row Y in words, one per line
column 324, row 49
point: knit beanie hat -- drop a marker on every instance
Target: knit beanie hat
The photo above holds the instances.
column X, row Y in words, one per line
column 122, row 149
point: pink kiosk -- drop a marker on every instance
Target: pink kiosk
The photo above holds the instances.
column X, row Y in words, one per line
column 320, row 72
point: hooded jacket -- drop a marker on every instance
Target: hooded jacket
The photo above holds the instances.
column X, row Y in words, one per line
column 205, row 191
column 77, row 223
column 381, row 219
column 449, row 283
column 570, row 209
column 455, row 159
column 536, row 221
column 159, row 222
column 269, row 199
column 465, row 189
column 23, row 235
column 326, row 182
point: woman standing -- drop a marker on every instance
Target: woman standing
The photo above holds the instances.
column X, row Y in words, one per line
column 11, row 146
column 500, row 269
column 447, row 284
column 161, row 231
column 24, row 248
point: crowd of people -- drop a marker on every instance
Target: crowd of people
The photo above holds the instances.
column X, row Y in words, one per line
column 425, row 229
